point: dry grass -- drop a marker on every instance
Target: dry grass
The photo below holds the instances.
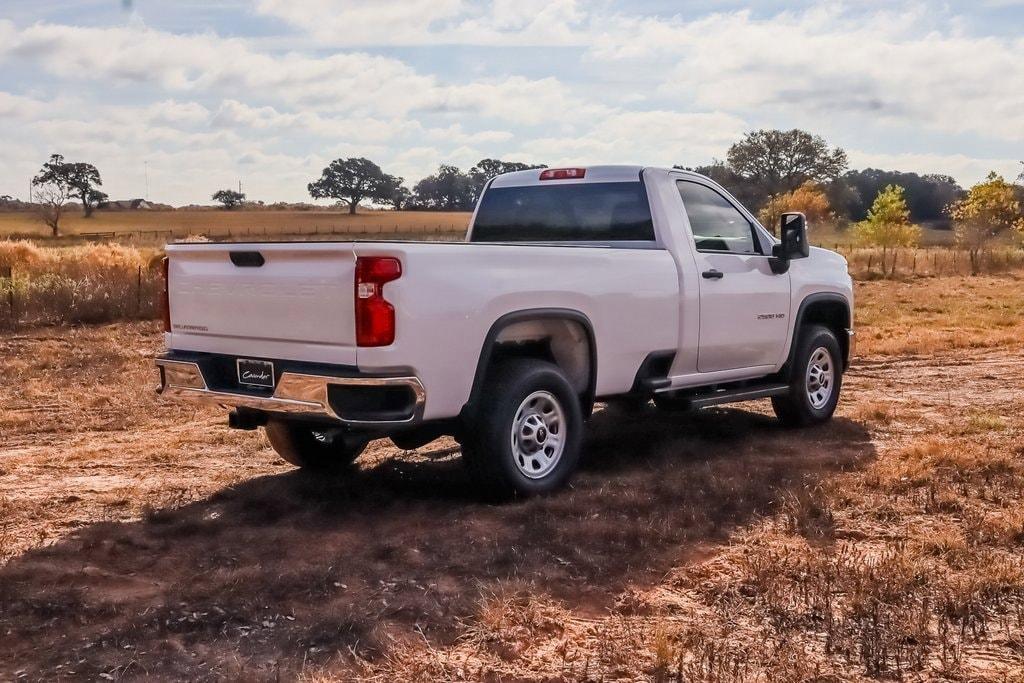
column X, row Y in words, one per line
column 925, row 316
column 146, row 539
column 241, row 224
column 870, row 263
column 105, row 282
column 81, row 284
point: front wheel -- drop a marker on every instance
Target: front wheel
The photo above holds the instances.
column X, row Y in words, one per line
column 816, row 379
column 525, row 437
column 313, row 447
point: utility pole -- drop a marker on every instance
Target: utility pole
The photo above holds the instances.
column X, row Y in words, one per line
column 239, row 186
column 146, row 165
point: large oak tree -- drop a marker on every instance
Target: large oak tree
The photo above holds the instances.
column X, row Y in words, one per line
column 354, row 179
column 778, row 161
column 76, row 179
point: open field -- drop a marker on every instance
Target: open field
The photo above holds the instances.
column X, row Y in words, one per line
column 158, row 226
column 143, row 537
column 164, row 225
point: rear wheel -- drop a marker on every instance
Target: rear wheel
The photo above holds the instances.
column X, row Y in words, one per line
column 525, row 437
column 314, row 447
column 816, row 379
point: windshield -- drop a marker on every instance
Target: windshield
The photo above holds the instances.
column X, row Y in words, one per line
column 579, row 212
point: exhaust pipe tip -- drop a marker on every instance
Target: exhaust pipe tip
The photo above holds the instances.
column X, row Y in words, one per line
column 246, row 419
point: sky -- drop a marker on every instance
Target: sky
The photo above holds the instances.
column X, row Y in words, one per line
column 175, row 100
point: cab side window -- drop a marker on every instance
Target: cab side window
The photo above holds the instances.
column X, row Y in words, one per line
column 717, row 225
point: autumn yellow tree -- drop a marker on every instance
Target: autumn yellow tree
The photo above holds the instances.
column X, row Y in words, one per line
column 888, row 224
column 990, row 212
column 809, row 199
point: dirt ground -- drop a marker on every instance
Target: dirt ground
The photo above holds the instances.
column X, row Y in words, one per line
column 143, row 538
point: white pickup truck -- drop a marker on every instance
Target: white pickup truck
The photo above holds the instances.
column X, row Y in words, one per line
column 618, row 284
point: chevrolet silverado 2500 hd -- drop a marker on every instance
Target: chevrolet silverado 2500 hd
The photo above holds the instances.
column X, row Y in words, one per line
column 608, row 283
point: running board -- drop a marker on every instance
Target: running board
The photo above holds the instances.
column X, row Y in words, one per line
column 715, row 398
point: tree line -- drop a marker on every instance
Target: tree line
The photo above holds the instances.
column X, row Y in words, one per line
column 358, row 180
column 351, row 181
column 769, row 171
column 768, row 164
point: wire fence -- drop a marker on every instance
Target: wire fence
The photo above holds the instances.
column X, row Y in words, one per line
column 873, row 263
column 30, row 298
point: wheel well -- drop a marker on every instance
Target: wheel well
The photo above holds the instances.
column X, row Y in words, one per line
column 831, row 313
column 564, row 338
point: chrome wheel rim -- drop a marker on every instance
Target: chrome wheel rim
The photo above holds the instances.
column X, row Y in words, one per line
column 821, row 375
column 538, row 435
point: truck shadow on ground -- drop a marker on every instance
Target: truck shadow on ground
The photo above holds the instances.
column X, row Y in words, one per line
column 294, row 567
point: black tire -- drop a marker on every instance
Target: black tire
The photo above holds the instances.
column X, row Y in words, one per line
column 797, row 408
column 314, row 447
column 487, row 446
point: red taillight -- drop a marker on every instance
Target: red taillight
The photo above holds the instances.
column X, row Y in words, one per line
column 165, row 296
column 562, row 173
column 375, row 317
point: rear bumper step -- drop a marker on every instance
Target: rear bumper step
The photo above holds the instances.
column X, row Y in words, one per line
column 348, row 400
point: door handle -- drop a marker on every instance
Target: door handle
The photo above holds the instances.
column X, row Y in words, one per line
column 712, row 274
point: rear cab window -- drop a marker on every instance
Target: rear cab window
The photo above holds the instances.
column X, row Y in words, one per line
column 601, row 212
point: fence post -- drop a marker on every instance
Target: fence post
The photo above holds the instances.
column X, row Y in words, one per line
column 8, row 272
column 138, row 292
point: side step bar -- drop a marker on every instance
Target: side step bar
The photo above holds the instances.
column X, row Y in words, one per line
column 714, row 398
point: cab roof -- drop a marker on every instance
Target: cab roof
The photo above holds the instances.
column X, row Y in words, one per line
column 593, row 174
column 607, row 173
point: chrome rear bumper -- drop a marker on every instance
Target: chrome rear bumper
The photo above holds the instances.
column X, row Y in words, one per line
column 295, row 393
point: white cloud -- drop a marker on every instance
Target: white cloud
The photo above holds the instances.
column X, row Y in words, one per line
column 522, row 100
column 205, row 109
column 655, row 137
column 357, row 83
column 912, row 65
column 434, row 22
column 234, row 115
column 966, row 169
column 171, row 112
column 17, row 107
column 134, row 56
column 891, row 67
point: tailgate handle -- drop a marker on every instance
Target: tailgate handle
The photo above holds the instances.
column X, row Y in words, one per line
column 247, row 259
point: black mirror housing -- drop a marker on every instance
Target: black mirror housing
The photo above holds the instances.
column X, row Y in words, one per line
column 793, row 233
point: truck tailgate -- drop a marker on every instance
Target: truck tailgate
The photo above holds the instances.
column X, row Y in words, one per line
column 261, row 297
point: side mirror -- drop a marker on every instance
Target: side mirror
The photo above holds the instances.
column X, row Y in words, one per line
column 793, row 233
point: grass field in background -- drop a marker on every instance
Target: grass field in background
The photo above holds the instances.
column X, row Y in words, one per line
column 216, row 223
column 240, row 224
